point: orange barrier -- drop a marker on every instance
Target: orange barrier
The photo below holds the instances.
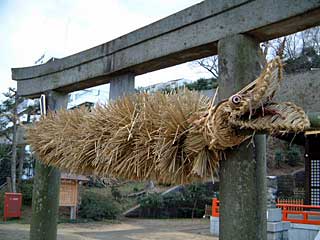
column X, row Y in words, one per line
column 302, row 213
column 215, row 207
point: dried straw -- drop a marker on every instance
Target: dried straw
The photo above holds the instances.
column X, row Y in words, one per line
column 175, row 137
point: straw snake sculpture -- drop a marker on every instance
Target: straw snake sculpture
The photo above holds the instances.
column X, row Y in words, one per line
column 171, row 137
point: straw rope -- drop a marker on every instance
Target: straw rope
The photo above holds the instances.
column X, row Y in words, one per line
column 176, row 137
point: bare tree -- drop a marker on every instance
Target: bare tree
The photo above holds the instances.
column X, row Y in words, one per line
column 21, row 157
column 311, row 39
column 288, row 47
column 14, row 141
column 210, row 64
column 295, row 44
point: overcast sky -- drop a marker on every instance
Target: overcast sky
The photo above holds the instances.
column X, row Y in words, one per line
column 58, row 28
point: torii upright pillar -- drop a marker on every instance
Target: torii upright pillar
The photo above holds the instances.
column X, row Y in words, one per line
column 243, row 172
column 121, row 85
column 46, row 187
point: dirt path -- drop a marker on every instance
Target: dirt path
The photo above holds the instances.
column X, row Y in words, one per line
column 128, row 229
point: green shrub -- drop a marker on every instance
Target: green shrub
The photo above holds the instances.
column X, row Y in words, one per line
column 116, row 194
column 153, row 200
column 97, row 207
column 151, row 205
column 203, row 84
column 26, row 190
column 278, row 158
column 1, row 201
column 189, row 202
column 293, row 156
column 5, row 158
column 307, row 59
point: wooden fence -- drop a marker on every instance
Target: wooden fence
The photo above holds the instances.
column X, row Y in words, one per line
column 293, row 210
column 291, row 201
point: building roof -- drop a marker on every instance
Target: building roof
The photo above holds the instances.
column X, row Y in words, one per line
column 70, row 176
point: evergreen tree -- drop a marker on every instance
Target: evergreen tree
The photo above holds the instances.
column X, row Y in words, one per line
column 10, row 118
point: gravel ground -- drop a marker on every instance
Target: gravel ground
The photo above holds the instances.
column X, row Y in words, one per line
column 127, row 229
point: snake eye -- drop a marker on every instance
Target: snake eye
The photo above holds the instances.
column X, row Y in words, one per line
column 236, row 99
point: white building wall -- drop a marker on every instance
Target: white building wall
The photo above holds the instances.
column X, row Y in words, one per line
column 93, row 95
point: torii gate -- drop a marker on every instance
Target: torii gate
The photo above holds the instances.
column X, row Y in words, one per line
column 233, row 29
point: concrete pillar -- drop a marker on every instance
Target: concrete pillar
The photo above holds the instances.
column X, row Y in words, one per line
column 243, row 172
column 121, row 85
column 73, row 212
column 46, row 187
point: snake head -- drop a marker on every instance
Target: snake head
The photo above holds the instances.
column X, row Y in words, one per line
column 252, row 108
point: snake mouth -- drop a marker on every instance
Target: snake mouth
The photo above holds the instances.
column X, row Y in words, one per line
column 274, row 118
column 252, row 107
